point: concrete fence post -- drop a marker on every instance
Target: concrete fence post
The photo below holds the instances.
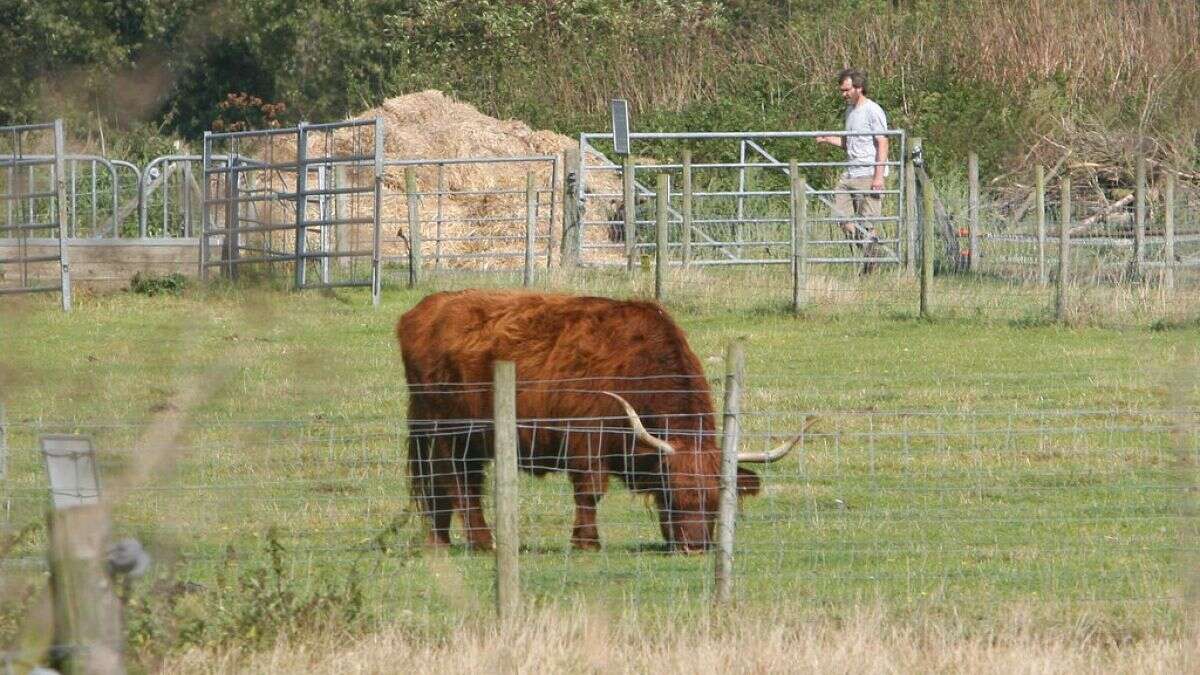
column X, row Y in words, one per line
column 504, row 411
column 735, row 367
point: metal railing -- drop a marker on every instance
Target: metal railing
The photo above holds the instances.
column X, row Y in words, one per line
column 34, row 197
column 736, row 212
column 272, row 191
column 470, row 212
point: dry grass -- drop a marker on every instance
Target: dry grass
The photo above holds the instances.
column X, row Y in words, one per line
column 583, row 641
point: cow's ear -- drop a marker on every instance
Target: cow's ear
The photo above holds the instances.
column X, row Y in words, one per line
column 748, row 482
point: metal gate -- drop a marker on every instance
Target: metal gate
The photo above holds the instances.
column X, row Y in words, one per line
column 33, row 237
column 302, row 201
column 735, row 201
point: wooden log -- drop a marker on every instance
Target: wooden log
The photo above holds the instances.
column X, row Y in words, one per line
column 504, row 412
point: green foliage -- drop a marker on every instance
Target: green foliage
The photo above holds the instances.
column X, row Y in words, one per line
column 153, row 284
column 251, row 602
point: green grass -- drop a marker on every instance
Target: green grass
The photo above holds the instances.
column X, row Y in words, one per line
column 980, row 460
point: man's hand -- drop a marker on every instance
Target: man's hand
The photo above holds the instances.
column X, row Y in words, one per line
column 831, row 140
column 877, row 183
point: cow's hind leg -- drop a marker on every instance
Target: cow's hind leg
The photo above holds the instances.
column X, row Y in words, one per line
column 441, row 504
column 479, row 535
column 590, row 485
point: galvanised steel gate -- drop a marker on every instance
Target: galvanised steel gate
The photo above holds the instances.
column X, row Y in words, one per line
column 738, row 204
column 33, row 237
column 304, row 201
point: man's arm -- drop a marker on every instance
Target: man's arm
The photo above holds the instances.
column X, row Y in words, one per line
column 835, row 141
column 881, row 154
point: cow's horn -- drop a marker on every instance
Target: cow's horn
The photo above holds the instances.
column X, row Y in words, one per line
column 780, row 451
column 636, row 422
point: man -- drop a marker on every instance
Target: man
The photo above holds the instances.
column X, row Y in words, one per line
column 859, row 186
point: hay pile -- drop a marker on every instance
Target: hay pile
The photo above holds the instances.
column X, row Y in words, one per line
column 431, row 125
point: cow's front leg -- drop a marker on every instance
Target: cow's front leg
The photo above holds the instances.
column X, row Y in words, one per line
column 590, row 486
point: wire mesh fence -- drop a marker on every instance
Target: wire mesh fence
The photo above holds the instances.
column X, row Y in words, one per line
column 1080, row 510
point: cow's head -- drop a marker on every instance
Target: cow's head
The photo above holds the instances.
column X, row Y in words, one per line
column 687, row 488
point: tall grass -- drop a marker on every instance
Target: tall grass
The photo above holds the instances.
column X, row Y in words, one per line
column 581, row 641
column 1052, row 68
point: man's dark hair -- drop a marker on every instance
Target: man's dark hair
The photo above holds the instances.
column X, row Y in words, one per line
column 857, row 78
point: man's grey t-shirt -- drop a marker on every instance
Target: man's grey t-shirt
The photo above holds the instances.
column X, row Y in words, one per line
column 860, row 150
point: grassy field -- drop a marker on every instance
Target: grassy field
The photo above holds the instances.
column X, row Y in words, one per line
column 962, row 469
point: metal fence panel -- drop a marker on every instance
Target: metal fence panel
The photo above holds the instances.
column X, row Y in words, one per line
column 472, row 212
column 739, row 202
column 33, row 175
column 294, row 200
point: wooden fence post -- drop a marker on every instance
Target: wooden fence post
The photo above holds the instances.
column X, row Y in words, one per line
column 1039, row 178
column 1064, row 251
column 414, row 226
column 630, row 203
column 570, row 210
column 735, row 367
column 504, row 412
column 662, row 195
column 910, row 208
column 927, row 215
column 87, row 615
column 799, row 213
column 686, row 234
column 973, row 212
column 1139, row 231
column 530, row 227
column 60, row 213
column 1169, row 232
